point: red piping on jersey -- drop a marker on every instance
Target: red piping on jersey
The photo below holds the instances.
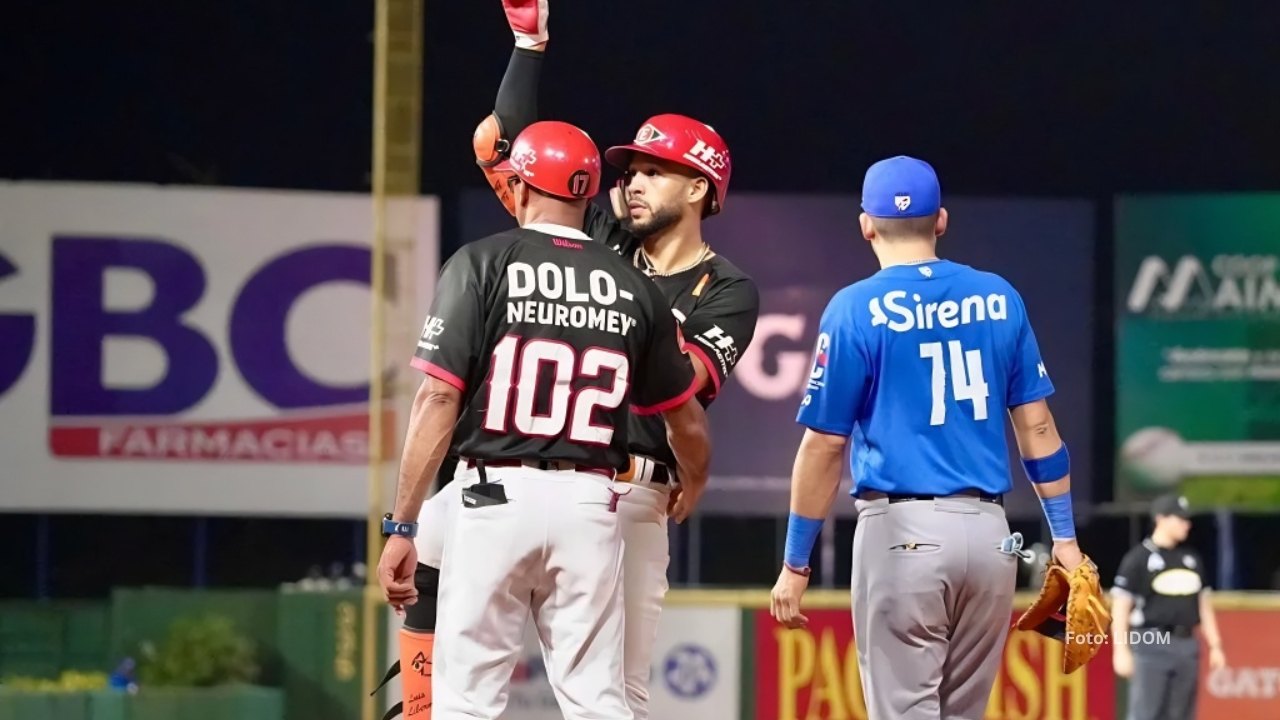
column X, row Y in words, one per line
column 711, row 371
column 438, row 373
column 664, row 406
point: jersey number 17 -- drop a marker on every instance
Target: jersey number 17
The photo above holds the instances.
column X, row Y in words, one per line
column 967, row 382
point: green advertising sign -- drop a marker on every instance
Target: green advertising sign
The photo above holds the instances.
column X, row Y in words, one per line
column 1198, row 348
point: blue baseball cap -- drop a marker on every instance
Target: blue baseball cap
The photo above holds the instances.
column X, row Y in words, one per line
column 901, row 187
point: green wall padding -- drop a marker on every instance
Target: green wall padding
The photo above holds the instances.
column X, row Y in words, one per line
column 41, row 639
column 321, row 647
column 224, row 703
column 145, row 614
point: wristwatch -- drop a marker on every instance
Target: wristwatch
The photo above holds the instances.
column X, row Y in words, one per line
column 391, row 527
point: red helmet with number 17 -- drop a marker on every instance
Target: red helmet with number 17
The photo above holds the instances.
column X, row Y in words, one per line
column 557, row 158
column 684, row 141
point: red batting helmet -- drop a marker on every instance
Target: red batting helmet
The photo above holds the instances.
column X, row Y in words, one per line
column 556, row 158
column 682, row 140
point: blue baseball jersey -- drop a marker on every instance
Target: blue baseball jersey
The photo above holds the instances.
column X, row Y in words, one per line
column 917, row 364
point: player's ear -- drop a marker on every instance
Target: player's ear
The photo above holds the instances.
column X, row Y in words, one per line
column 697, row 189
column 520, row 192
column 940, row 225
column 868, row 228
column 519, row 198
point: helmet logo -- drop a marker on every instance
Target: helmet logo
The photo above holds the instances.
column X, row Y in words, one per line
column 707, row 158
column 649, row 134
column 579, row 183
column 522, row 157
column 902, row 202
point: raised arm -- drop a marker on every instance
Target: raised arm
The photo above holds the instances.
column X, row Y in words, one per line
column 516, row 105
column 516, row 108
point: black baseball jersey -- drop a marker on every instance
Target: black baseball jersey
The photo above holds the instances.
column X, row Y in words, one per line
column 716, row 304
column 554, row 341
column 1165, row 585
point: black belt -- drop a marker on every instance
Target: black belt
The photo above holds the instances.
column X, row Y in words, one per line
column 661, row 474
column 897, row 498
column 542, row 465
column 1180, row 631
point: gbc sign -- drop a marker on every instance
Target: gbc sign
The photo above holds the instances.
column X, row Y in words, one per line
column 218, row 329
column 81, row 327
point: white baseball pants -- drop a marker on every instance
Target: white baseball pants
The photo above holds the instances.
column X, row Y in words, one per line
column 553, row 552
column 646, row 554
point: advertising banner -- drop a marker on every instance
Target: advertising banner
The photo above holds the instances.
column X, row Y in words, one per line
column 802, row 249
column 188, row 350
column 813, row 673
column 697, row 663
column 1248, row 688
column 1197, row 291
column 696, row 669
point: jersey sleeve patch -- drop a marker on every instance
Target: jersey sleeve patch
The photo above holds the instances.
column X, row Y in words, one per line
column 839, row 375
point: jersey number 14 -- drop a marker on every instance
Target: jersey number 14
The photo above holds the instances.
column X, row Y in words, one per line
column 967, row 382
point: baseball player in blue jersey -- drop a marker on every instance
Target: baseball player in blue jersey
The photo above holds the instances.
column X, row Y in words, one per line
column 914, row 367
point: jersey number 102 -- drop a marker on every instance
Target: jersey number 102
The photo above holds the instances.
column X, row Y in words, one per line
column 967, row 382
column 565, row 406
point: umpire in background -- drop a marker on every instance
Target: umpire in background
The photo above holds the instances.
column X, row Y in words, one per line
column 1161, row 587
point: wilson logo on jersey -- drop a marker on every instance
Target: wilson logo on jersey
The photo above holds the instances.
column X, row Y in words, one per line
column 925, row 316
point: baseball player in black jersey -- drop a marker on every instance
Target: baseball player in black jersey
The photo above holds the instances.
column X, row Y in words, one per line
column 538, row 346
column 675, row 174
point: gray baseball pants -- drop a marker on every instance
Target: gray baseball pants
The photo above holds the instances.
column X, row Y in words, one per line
column 932, row 602
column 1165, row 680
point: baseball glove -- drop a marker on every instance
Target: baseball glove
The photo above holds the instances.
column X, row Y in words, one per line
column 1072, row 610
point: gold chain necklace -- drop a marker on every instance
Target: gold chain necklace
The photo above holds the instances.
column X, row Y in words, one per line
column 645, row 263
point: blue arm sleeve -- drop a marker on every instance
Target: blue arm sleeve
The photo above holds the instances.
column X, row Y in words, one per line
column 840, row 374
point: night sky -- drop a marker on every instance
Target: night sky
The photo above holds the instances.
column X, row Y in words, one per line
column 1002, row 99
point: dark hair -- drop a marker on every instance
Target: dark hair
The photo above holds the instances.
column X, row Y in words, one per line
column 905, row 228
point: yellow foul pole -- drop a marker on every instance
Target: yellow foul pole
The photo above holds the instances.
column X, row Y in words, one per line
column 397, row 124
